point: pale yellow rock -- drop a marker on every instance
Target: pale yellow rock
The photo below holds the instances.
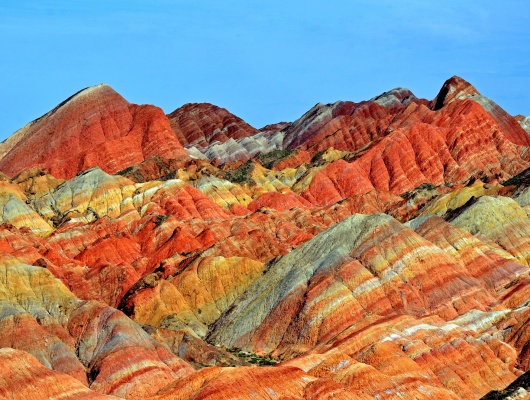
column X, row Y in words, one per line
column 33, row 289
column 459, row 197
column 166, row 307
column 15, row 210
column 224, row 193
column 501, row 223
column 36, row 182
column 305, row 180
column 332, row 154
column 489, row 214
column 198, row 296
column 94, row 194
column 212, row 284
column 144, row 192
column 91, row 194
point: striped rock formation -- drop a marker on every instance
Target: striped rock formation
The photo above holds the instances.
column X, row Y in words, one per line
column 203, row 124
column 23, row 377
column 93, row 344
column 366, row 250
column 94, row 127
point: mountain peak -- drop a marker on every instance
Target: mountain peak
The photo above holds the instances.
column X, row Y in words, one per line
column 87, row 94
column 99, row 90
column 89, row 128
column 200, row 124
column 454, row 88
column 395, row 97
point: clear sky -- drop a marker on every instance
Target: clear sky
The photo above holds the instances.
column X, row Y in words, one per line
column 265, row 61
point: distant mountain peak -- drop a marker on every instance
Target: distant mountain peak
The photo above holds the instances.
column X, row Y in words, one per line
column 201, row 124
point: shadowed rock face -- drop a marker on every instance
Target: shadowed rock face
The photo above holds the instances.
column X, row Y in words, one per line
column 455, row 88
column 366, row 250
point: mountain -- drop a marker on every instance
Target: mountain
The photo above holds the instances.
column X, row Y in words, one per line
column 378, row 249
column 202, row 124
column 94, row 127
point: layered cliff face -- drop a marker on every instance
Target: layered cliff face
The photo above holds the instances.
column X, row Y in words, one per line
column 366, row 250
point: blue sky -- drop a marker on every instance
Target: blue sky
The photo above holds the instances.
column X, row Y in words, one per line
column 265, row 61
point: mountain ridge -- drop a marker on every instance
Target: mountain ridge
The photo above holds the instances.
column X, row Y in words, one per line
column 378, row 249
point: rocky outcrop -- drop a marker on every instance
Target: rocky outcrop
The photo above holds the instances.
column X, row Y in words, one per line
column 14, row 210
column 525, row 124
column 519, row 389
column 261, row 383
column 351, row 247
column 241, row 149
column 336, row 304
column 455, row 88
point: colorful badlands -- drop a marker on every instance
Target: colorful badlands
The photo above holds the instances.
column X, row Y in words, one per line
column 372, row 250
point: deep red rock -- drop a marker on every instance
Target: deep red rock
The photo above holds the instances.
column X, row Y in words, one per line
column 199, row 124
column 279, row 201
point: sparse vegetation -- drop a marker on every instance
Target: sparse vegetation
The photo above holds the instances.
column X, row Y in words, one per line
column 160, row 219
column 424, row 186
column 241, row 174
column 167, row 177
column 253, row 358
column 317, row 158
column 518, row 387
column 453, row 213
column 125, row 171
column 521, row 179
column 268, row 160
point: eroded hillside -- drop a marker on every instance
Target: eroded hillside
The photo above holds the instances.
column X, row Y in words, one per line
column 366, row 250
